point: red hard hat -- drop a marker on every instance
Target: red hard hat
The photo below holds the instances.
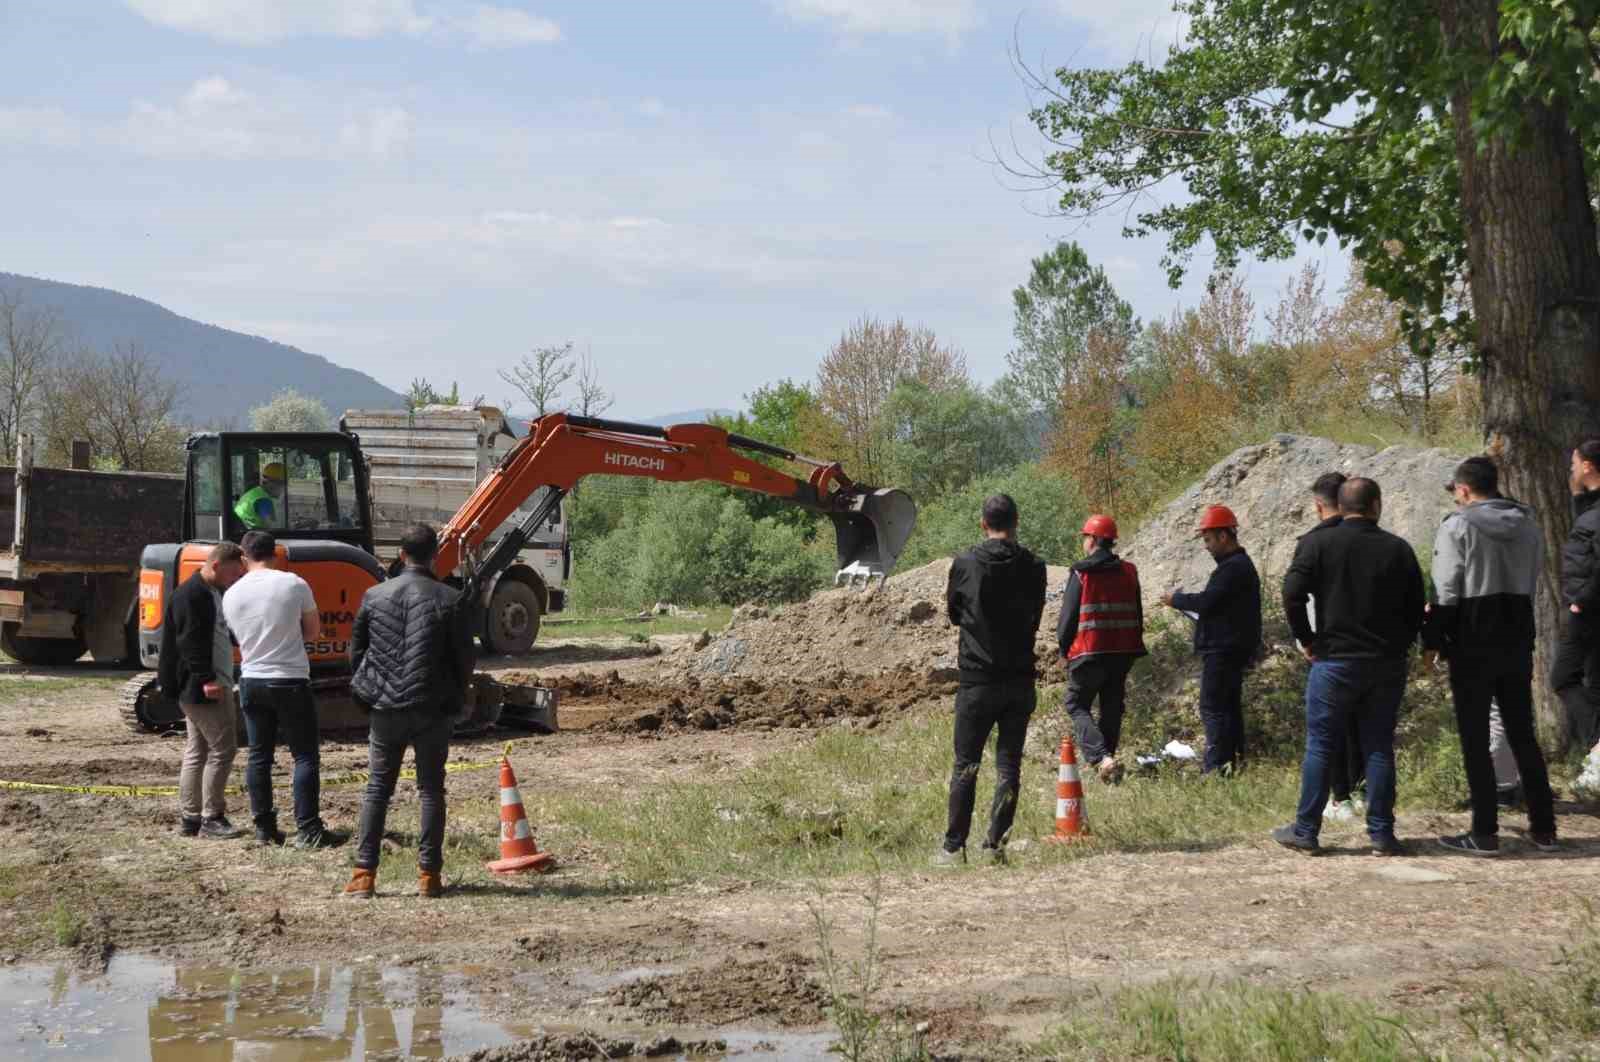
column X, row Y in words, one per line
column 1216, row 517
column 1100, row 526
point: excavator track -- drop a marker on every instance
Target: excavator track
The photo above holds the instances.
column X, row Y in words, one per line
column 145, row 709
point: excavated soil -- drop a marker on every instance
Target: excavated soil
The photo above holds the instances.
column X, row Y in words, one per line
column 774, row 990
column 896, row 627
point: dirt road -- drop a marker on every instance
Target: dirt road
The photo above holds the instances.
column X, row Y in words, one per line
column 991, row 957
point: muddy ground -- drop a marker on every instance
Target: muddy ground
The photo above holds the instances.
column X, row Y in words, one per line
column 990, row 958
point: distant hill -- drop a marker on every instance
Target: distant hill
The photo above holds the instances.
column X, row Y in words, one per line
column 688, row 416
column 223, row 373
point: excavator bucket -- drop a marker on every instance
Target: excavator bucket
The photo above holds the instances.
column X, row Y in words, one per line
column 871, row 533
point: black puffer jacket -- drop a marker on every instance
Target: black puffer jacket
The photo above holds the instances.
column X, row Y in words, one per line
column 412, row 644
column 1580, row 554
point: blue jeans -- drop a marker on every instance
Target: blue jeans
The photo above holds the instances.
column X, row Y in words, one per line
column 1367, row 691
column 272, row 706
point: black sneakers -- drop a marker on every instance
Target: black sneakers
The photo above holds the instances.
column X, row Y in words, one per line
column 219, row 829
column 321, row 837
column 1389, row 845
column 189, row 827
column 1286, row 836
column 268, row 833
column 1471, row 844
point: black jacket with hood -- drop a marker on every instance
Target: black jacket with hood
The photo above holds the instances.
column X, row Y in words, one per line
column 1072, row 601
column 996, row 596
column 1486, row 560
column 1580, row 554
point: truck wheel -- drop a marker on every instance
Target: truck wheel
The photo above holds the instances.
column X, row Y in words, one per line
column 512, row 621
column 44, row 652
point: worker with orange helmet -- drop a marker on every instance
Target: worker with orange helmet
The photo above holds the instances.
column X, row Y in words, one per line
column 1227, row 634
column 1100, row 633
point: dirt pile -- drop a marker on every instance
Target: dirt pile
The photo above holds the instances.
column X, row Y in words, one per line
column 771, row 990
column 560, row 1048
column 898, row 628
column 1268, row 487
column 721, row 704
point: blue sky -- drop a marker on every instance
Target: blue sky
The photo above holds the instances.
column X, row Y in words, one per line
column 703, row 194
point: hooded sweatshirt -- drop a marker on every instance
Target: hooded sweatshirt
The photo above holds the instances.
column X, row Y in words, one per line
column 996, row 596
column 1486, row 559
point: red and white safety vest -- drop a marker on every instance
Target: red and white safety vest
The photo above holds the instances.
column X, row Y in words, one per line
column 1108, row 612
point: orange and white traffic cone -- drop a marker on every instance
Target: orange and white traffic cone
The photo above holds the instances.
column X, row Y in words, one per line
column 518, row 852
column 1072, row 816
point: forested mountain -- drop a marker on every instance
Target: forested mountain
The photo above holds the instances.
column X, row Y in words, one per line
column 222, row 373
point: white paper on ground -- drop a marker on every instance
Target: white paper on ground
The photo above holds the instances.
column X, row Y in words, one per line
column 1177, row 750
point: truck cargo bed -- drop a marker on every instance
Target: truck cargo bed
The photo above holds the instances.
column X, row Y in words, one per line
column 78, row 521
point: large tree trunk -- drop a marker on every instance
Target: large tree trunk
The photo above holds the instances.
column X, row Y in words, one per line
column 1535, row 284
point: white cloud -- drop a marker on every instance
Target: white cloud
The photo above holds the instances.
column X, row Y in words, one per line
column 506, row 27
column 1145, row 27
column 46, row 126
column 258, row 22
column 652, row 108
column 383, row 133
column 872, row 112
column 268, row 21
column 861, row 18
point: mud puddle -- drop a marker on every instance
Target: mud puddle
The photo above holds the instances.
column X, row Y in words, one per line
column 147, row 1008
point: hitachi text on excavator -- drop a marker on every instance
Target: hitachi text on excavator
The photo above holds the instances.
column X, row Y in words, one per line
column 311, row 490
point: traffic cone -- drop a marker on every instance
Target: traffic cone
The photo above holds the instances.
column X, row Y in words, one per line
column 517, row 849
column 1072, row 816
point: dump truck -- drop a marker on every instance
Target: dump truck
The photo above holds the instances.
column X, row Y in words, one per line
column 422, row 465
column 70, row 541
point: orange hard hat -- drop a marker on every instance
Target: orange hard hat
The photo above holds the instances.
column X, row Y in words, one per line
column 1216, row 517
column 1100, row 526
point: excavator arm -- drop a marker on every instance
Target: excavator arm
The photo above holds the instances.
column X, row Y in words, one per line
column 871, row 524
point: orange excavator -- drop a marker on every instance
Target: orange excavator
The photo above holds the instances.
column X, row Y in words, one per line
column 310, row 490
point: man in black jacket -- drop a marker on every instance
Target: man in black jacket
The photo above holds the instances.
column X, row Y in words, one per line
column 1227, row 635
column 1100, row 633
column 1486, row 561
column 1347, row 767
column 411, row 651
column 1368, row 588
column 196, row 670
column 1575, row 675
column 996, row 596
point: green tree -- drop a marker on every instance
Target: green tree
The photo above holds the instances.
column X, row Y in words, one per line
column 422, row 393
column 1064, row 299
column 1437, row 141
column 290, row 410
column 939, row 441
column 1049, row 507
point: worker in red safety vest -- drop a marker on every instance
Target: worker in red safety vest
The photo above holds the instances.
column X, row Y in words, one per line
column 1100, row 634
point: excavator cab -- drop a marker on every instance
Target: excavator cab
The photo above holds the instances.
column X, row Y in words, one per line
column 297, row 485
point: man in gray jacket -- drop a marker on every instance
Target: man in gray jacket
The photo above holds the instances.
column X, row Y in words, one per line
column 1486, row 559
column 412, row 654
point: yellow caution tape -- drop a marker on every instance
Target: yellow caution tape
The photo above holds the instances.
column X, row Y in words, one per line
column 328, row 782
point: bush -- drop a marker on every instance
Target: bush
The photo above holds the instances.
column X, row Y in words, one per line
column 1051, row 510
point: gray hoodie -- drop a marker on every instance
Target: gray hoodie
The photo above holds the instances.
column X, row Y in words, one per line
column 1486, row 560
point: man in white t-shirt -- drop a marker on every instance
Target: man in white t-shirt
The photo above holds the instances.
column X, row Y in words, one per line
column 272, row 614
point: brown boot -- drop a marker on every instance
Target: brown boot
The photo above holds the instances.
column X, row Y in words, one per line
column 362, row 884
column 430, row 884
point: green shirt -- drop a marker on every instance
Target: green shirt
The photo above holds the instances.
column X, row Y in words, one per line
column 256, row 508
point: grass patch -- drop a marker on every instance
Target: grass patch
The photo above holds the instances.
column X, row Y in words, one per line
column 15, row 688
column 66, row 925
column 622, row 624
column 854, row 801
column 1187, row 1019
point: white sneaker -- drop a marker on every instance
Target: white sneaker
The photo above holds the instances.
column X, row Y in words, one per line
column 1340, row 810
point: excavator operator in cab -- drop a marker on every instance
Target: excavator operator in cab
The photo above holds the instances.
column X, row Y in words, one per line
column 257, row 508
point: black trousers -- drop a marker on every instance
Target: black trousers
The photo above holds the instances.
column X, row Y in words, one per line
column 1005, row 707
column 427, row 731
column 1575, row 676
column 1105, row 677
column 1506, row 678
column 1222, row 707
column 1348, row 765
